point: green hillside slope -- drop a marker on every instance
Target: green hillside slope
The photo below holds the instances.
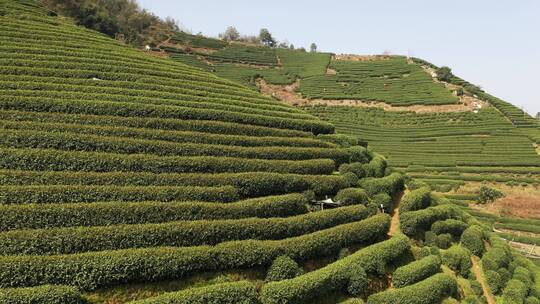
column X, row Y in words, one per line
column 119, row 168
column 125, row 177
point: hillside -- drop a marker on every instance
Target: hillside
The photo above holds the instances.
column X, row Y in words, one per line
column 126, row 177
column 447, row 134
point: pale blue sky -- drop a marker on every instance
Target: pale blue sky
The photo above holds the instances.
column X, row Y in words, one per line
column 495, row 44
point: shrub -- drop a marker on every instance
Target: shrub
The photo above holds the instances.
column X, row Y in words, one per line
column 105, row 268
column 383, row 199
column 515, row 292
column 415, row 222
column 352, row 196
column 68, row 141
column 444, row 240
column 428, row 291
column 335, row 276
column 283, row 268
column 351, row 179
column 110, row 213
column 505, row 275
column 473, row 239
column 180, row 233
column 494, row 281
column 47, row 294
column 458, row 259
column 358, row 154
column 444, row 74
column 358, row 281
column 248, row 184
column 496, row 258
column 488, row 194
column 416, row 271
column 55, row 160
column 415, row 200
column 391, row 184
column 451, row 226
column 354, row 168
column 376, row 167
column 532, row 300
column 227, row 293
column 430, row 239
column 87, row 194
column 353, row 301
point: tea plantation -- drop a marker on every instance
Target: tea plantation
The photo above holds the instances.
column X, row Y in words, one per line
column 129, row 178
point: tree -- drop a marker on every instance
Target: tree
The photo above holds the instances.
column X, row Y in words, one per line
column 117, row 18
column 230, row 34
column 313, row 48
column 292, row 48
column 444, row 73
column 266, row 38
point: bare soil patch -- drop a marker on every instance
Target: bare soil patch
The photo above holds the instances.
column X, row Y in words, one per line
column 519, row 201
column 289, row 95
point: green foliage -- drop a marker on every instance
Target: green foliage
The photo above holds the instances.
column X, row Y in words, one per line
column 266, row 38
column 227, row 293
column 180, row 233
column 46, row 294
column 359, row 154
column 383, row 199
column 488, row 194
column 444, row 240
column 392, row 80
column 515, row 292
column 433, row 147
column 532, row 300
column 458, row 259
column 452, row 226
column 283, row 268
column 358, row 281
column 105, row 268
column 431, row 290
column 494, row 281
column 197, row 41
column 335, row 276
column 415, row 200
column 444, row 74
column 414, row 222
column 391, row 184
column 352, row 196
column 416, row 271
column 33, row 216
column 117, row 17
column 77, row 142
column 87, row 194
column 473, row 239
column 38, row 159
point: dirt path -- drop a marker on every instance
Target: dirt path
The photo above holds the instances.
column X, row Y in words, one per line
column 394, row 224
column 482, row 280
column 288, row 94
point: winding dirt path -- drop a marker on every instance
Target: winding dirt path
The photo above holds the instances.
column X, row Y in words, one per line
column 394, row 224
column 482, row 280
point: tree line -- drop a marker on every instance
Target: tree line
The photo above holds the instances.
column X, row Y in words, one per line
column 121, row 19
column 265, row 38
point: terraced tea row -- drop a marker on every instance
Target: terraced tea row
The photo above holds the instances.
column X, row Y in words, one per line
column 435, row 147
column 394, row 81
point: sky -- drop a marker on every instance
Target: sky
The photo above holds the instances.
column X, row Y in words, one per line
column 494, row 44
